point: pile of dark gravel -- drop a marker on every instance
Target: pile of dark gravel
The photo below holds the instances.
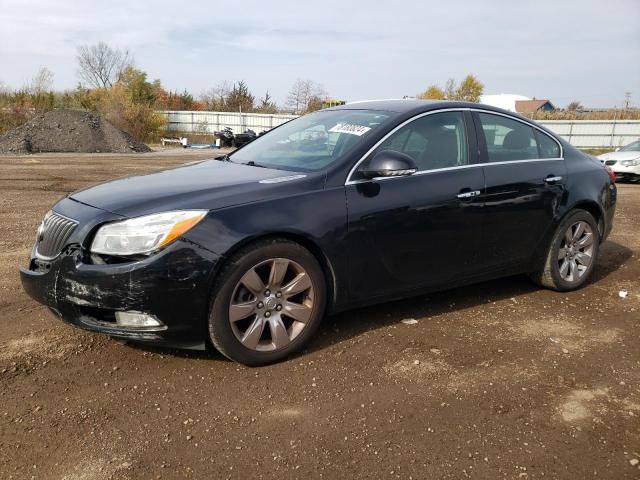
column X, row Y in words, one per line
column 69, row 131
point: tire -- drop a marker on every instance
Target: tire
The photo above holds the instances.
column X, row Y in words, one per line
column 268, row 302
column 569, row 246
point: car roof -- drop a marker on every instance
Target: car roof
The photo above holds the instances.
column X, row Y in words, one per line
column 409, row 107
column 412, row 105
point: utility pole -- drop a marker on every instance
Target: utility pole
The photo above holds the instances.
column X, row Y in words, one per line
column 627, row 100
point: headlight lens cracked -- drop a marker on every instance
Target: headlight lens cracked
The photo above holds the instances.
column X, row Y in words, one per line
column 143, row 235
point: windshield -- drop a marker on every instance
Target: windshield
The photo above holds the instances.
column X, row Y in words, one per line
column 632, row 147
column 311, row 142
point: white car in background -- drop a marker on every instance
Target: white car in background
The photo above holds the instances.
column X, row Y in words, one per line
column 625, row 162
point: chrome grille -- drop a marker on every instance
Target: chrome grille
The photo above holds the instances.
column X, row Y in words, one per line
column 610, row 162
column 53, row 234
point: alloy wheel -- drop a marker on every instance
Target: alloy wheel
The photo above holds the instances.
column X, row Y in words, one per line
column 575, row 254
column 271, row 304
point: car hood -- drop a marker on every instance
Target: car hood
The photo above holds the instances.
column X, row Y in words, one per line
column 207, row 185
column 619, row 156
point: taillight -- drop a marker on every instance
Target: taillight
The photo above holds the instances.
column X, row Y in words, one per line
column 611, row 173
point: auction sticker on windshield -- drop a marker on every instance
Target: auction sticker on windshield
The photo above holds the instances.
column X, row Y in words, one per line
column 350, row 128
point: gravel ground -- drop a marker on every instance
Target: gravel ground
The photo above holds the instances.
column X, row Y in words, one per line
column 69, row 131
column 497, row 380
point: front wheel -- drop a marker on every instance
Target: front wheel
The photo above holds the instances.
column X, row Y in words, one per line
column 572, row 253
column 268, row 301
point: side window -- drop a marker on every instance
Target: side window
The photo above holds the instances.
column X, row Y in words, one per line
column 433, row 141
column 548, row 147
column 507, row 139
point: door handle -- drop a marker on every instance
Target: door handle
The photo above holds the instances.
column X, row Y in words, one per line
column 470, row 194
column 552, row 179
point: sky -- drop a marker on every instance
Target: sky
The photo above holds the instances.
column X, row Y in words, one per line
column 563, row 50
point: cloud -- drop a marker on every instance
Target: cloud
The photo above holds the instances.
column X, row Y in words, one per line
column 356, row 49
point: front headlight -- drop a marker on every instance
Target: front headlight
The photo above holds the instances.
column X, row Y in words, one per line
column 630, row 163
column 144, row 234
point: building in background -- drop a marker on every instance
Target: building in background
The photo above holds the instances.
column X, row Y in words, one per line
column 528, row 107
column 517, row 103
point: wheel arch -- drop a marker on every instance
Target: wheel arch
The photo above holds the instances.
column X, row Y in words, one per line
column 590, row 206
column 593, row 208
column 300, row 239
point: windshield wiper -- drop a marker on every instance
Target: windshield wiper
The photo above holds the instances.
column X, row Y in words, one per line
column 227, row 158
column 251, row 163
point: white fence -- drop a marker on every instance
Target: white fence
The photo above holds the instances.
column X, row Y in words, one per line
column 580, row 133
column 209, row 122
column 595, row 133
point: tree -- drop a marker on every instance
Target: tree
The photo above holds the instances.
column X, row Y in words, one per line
column 167, row 100
column 303, row 96
column 41, row 82
column 267, row 105
column 100, row 66
column 469, row 90
column 216, row 97
column 313, row 104
column 450, row 89
column 574, row 106
column 240, row 99
column 433, row 92
column 38, row 93
column 297, row 96
column 129, row 104
column 137, row 88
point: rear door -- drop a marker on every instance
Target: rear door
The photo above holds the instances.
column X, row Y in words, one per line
column 525, row 180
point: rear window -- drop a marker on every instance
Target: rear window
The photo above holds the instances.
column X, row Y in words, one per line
column 510, row 140
column 548, row 147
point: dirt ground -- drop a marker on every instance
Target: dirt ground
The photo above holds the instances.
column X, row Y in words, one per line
column 497, row 380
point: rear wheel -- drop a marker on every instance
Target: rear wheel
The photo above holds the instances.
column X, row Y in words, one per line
column 572, row 253
column 268, row 302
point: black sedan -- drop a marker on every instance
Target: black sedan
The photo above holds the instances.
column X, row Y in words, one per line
column 345, row 207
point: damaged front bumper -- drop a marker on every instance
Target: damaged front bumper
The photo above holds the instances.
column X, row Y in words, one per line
column 171, row 286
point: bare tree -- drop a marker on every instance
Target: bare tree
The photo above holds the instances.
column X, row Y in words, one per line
column 450, row 89
column 303, row 94
column 574, row 106
column 216, row 98
column 41, row 82
column 296, row 96
column 100, row 66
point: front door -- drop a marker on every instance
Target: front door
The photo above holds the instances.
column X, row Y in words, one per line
column 413, row 232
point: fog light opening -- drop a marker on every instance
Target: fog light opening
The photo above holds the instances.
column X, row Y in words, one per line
column 137, row 320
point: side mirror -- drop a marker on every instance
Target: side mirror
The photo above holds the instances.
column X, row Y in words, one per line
column 389, row 164
column 617, row 149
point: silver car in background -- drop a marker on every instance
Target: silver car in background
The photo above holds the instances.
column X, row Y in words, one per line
column 625, row 162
